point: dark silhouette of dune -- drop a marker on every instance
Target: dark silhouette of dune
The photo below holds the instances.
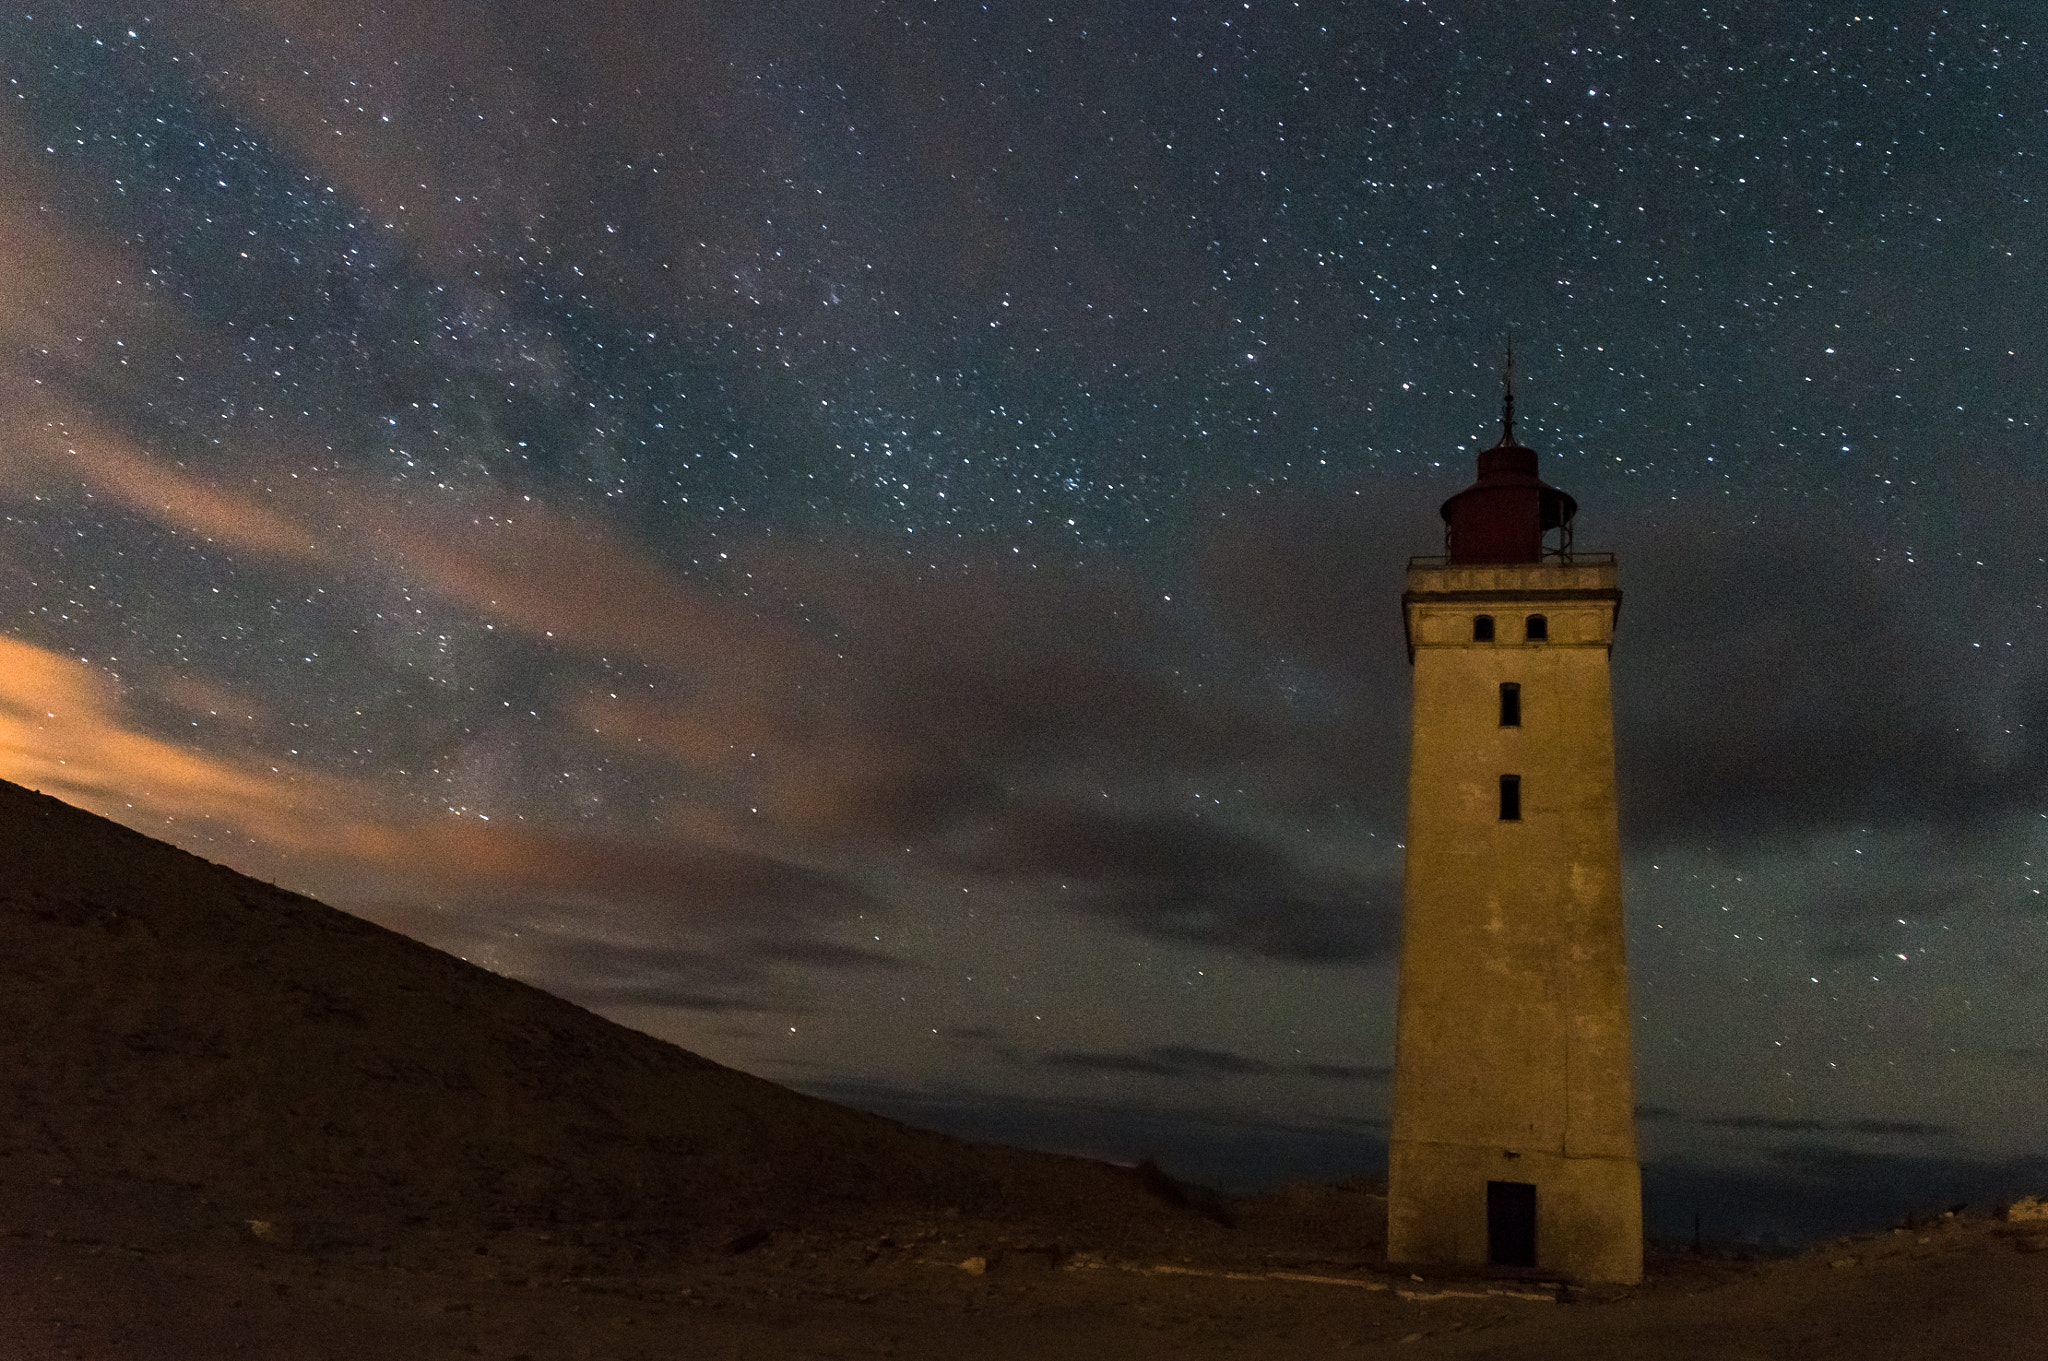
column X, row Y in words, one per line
column 169, row 1020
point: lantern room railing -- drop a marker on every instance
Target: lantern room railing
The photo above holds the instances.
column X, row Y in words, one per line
column 1561, row 557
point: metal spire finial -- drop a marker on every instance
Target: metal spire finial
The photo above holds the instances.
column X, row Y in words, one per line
column 1507, row 396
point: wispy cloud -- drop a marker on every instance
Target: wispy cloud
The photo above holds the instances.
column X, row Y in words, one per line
column 1189, row 1061
column 1779, row 1124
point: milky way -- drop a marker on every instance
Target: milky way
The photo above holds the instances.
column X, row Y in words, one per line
column 866, row 539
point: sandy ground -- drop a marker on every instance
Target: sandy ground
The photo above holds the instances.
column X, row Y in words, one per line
column 184, row 1281
column 236, row 1122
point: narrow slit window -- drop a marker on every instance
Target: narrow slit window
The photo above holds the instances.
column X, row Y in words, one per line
column 1536, row 628
column 1482, row 628
column 1510, row 705
column 1510, row 798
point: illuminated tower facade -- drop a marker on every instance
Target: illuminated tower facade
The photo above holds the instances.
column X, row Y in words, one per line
column 1514, row 1127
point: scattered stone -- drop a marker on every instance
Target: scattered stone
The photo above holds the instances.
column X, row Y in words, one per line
column 2027, row 1208
column 975, row 1266
column 1845, row 1261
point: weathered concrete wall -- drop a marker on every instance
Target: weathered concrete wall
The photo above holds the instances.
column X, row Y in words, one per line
column 1589, row 1220
column 1512, row 1049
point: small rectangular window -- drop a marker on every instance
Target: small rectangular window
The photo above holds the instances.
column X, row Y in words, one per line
column 1482, row 628
column 1510, row 798
column 1510, row 705
column 1536, row 629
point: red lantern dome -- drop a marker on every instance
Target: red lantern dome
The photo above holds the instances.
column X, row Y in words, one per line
column 1504, row 515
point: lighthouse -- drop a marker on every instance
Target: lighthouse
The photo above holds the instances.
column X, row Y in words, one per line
column 1514, row 1126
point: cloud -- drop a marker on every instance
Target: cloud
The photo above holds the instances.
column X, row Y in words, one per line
column 1943, row 887
column 945, row 691
column 574, row 583
column 847, row 700
column 668, row 997
column 1771, row 1124
column 593, row 916
column 687, row 880
column 825, row 954
column 912, row 703
column 850, row 703
column 608, row 962
column 1192, row 880
column 1923, row 1173
column 693, row 131
column 1323, row 923
column 1775, row 681
column 1112, row 1063
column 1308, row 591
column 1320, row 580
column 67, row 293
column 63, row 730
column 1188, row 1061
column 611, row 952
column 1929, row 882
column 1347, row 1072
column 57, row 277
column 66, row 440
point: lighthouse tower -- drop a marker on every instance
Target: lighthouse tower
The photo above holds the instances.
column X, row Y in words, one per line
column 1514, row 1127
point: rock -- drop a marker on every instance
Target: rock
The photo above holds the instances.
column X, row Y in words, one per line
column 2027, row 1208
column 975, row 1266
column 2037, row 1242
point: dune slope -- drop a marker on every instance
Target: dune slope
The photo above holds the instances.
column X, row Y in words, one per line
column 169, row 1020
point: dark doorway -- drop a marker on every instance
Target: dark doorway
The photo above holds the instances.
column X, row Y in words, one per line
column 1510, row 1223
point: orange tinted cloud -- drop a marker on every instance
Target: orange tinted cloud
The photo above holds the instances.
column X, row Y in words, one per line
column 63, row 731
column 59, row 290
column 556, row 578
column 74, row 444
column 75, row 318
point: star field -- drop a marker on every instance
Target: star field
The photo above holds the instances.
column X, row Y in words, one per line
column 865, row 539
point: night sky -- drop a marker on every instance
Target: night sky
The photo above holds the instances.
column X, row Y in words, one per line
column 866, row 539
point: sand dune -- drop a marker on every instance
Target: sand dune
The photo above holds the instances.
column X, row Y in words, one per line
column 235, row 1120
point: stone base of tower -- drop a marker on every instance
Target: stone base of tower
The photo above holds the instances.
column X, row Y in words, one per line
column 1588, row 1212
